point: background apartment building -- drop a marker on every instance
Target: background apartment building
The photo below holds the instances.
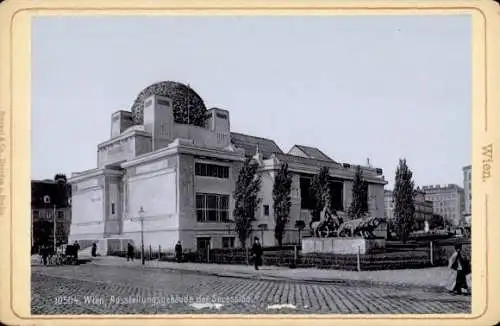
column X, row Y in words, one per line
column 423, row 208
column 50, row 205
column 467, row 193
column 448, row 201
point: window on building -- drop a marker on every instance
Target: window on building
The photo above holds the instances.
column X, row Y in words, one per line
column 203, row 243
column 35, row 215
column 112, row 208
column 211, row 170
column 306, row 199
column 221, row 115
column 60, row 214
column 337, row 191
column 227, row 242
column 164, row 102
column 266, row 210
column 212, row 207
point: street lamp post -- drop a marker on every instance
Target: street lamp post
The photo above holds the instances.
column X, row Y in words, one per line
column 54, row 228
column 141, row 219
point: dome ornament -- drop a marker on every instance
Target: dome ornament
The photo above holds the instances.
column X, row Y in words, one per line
column 188, row 107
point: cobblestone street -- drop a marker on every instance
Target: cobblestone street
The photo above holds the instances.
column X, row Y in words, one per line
column 93, row 289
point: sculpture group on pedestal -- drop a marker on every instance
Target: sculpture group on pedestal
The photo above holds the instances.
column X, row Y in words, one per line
column 333, row 225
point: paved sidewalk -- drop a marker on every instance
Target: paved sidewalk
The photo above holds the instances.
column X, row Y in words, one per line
column 90, row 287
column 431, row 278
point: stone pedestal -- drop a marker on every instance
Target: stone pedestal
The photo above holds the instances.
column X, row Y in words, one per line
column 341, row 245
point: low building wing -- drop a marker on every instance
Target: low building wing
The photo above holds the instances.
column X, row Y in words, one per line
column 250, row 143
column 311, row 152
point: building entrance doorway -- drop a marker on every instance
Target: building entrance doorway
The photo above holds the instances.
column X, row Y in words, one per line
column 203, row 248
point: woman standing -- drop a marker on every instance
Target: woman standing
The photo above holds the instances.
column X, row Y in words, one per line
column 94, row 249
column 461, row 267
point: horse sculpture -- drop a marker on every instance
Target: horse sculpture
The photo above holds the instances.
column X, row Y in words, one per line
column 327, row 225
column 363, row 227
column 333, row 225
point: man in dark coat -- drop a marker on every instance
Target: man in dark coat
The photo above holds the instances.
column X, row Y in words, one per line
column 462, row 266
column 44, row 250
column 257, row 253
column 178, row 251
column 77, row 248
column 130, row 252
column 94, row 249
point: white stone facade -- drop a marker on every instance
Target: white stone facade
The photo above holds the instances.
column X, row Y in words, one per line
column 183, row 176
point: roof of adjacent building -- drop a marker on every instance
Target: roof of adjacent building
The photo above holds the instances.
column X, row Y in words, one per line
column 267, row 147
column 249, row 144
column 58, row 195
column 440, row 187
column 314, row 152
column 289, row 158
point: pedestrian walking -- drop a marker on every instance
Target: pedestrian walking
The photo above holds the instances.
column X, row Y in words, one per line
column 130, row 252
column 76, row 248
column 257, row 253
column 178, row 251
column 44, row 250
column 94, row 249
column 460, row 269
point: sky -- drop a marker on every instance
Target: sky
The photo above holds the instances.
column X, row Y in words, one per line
column 356, row 87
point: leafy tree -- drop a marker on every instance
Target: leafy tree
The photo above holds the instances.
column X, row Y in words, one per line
column 281, row 201
column 320, row 192
column 404, row 207
column 436, row 221
column 246, row 199
column 359, row 204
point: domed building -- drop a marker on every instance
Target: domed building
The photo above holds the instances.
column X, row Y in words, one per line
column 172, row 163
